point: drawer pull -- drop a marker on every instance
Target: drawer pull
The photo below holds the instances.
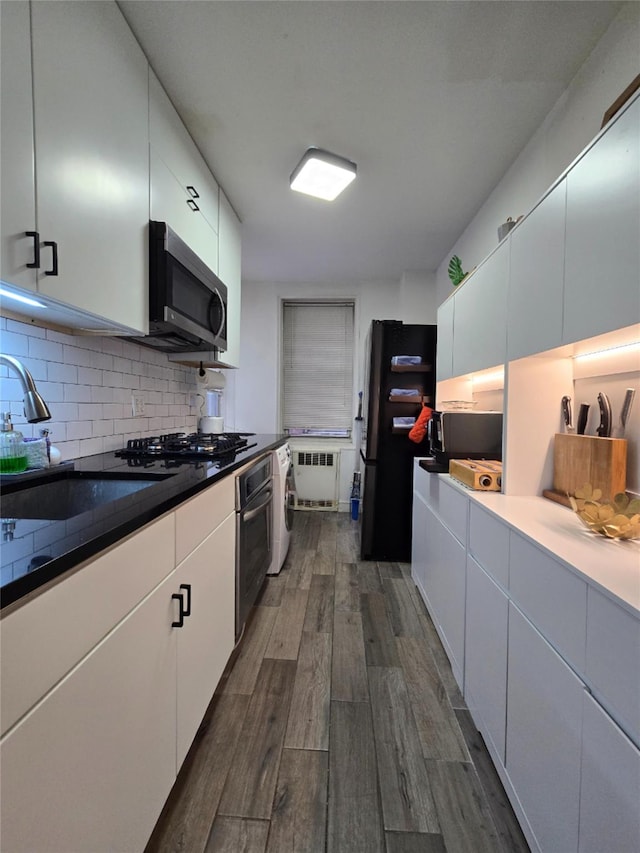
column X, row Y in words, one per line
column 192, row 204
column 193, row 192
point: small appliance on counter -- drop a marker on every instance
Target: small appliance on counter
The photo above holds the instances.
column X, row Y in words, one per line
column 464, row 435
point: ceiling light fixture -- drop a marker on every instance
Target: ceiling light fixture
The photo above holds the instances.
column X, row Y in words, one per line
column 322, row 174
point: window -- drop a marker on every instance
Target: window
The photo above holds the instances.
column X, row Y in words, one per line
column 317, row 368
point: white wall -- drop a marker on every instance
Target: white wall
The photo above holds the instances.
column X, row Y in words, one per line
column 572, row 123
column 253, row 390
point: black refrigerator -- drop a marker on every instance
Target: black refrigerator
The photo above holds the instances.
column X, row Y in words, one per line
column 386, row 451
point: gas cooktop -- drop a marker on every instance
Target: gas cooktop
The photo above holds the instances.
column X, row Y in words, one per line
column 186, row 446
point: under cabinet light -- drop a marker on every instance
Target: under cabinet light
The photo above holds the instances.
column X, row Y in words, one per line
column 18, row 298
column 322, row 174
column 621, row 350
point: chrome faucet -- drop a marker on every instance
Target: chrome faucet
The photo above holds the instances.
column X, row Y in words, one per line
column 35, row 408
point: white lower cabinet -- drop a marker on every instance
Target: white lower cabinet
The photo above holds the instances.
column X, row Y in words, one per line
column 543, row 739
column 90, row 753
column 485, row 660
column 206, row 640
column 610, row 785
column 90, row 767
column 419, row 541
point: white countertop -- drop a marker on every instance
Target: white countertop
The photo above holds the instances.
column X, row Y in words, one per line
column 611, row 565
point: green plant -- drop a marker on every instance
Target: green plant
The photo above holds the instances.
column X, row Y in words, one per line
column 456, row 273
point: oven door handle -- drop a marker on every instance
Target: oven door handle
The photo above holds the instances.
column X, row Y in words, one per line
column 247, row 515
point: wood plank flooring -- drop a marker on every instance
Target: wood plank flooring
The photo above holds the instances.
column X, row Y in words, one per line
column 338, row 726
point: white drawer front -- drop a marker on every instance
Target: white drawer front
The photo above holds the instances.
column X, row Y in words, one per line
column 553, row 598
column 489, row 544
column 198, row 517
column 453, row 509
column 613, row 659
column 45, row 638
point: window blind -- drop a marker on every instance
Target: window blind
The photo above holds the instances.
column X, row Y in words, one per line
column 318, row 368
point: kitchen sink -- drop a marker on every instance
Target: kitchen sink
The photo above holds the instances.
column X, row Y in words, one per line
column 61, row 496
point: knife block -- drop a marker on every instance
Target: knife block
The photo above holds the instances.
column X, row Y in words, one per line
column 580, row 459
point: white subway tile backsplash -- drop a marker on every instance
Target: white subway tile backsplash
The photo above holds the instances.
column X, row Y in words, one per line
column 90, row 411
column 58, row 372
column 102, row 428
column 79, row 429
column 14, row 344
column 48, row 350
column 77, row 393
column 89, row 376
column 88, row 383
column 25, row 329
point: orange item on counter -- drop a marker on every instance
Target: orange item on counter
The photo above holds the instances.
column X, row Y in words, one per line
column 419, row 429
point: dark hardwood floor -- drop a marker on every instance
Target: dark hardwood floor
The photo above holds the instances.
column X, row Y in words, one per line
column 338, row 725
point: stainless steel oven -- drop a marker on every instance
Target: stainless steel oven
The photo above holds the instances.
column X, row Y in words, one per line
column 254, row 521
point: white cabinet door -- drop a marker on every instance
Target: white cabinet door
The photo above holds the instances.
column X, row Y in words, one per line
column 485, row 659
column 91, row 767
column 446, row 573
column 419, row 541
column 480, row 316
column 38, row 645
column 175, row 146
column 444, row 350
column 610, row 786
column 536, row 278
column 603, row 222
column 90, row 84
column 169, row 204
column 543, row 743
column 18, row 210
column 229, row 261
column 613, row 653
column 206, row 640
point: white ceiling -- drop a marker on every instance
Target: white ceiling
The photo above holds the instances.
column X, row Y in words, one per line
column 432, row 100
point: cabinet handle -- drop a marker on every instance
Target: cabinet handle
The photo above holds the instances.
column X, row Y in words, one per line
column 54, row 263
column 181, row 614
column 193, row 192
column 192, row 204
column 187, row 589
column 36, row 249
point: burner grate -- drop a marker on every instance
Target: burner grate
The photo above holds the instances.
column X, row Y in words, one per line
column 180, row 445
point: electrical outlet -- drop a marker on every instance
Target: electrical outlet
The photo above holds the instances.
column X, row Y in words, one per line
column 137, row 405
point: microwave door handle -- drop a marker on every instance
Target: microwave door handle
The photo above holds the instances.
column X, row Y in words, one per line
column 224, row 312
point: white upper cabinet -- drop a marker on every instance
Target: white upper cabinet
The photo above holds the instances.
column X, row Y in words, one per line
column 18, row 211
column 480, row 316
column 191, row 208
column 168, row 204
column 602, row 262
column 229, row 272
column 90, row 97
column 444, row 351
column 536, row 280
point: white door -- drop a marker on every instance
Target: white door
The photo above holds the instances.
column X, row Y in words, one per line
column 18, row 211
column 90, row 84
column 206, row 640
column 91, row 766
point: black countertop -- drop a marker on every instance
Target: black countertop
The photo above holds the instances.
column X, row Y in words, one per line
column 37, row 551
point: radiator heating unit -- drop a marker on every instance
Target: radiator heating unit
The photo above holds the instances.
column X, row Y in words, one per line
column 316, row 471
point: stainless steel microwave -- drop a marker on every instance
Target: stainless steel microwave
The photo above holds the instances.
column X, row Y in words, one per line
column 187, row 300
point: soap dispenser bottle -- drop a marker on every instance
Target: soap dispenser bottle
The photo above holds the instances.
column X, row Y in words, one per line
column 13, row 452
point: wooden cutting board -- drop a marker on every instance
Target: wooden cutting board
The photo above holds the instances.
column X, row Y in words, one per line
column 580, row 459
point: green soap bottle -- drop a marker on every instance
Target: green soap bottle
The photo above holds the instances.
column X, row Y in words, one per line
column 13, row 452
